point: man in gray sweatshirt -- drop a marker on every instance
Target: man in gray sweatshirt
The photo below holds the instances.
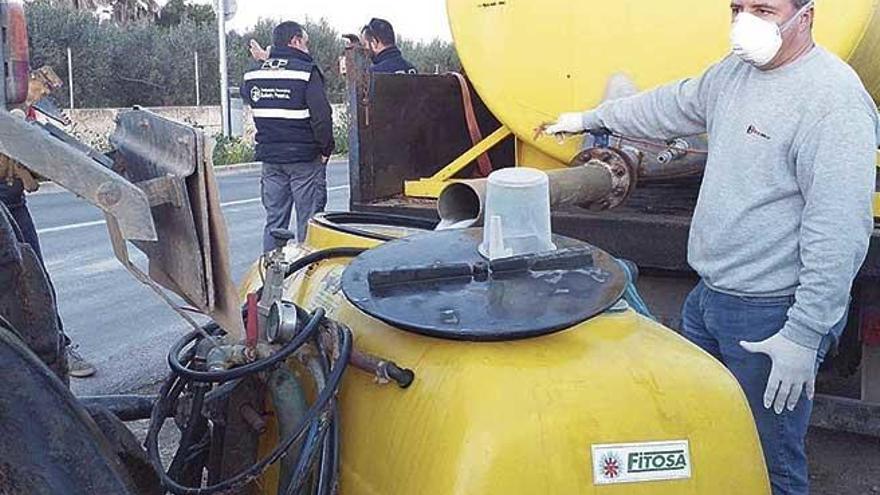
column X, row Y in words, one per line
column 784, row 216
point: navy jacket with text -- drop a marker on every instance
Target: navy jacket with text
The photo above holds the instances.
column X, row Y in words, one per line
column 391, row 61
column 294, row 120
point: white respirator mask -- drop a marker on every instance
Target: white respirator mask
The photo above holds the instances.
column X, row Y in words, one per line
column 757, row 41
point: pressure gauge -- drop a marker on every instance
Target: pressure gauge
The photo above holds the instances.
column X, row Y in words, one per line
column 281, row 325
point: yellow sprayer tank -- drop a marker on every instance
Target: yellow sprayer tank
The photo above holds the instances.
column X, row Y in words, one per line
column 613, row 404
column 533, row 59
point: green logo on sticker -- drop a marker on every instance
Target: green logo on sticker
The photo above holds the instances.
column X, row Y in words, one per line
column 650, row 462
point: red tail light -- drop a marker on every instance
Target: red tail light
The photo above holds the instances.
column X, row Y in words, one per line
column 16, row 56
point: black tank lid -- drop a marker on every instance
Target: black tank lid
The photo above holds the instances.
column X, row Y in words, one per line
column 437, row 284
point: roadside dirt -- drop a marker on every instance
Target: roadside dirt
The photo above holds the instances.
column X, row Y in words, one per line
column 843, row 463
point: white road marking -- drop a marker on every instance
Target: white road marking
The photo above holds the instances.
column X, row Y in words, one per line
column 95, row 223
column 240, row 202
column 72, row 226
column 82, row 225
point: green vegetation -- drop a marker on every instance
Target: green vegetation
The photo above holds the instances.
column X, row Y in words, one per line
column 341, row 125
column 176, row 12
column 150, row 63
column 232, row 150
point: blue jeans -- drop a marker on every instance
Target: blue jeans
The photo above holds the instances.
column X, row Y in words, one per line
column 293, row 185
column 717, row 322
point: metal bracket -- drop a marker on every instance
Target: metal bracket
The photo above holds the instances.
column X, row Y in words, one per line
column 72, row 168
column 877, row 194
column 120, row 249
column 162, row 191
column 171, row 165
column 432, row 187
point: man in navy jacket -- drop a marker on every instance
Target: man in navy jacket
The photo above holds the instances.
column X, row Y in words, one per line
column 294, row 124
column 379, row 38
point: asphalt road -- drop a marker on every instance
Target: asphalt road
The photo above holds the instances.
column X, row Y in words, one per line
column 120, row 325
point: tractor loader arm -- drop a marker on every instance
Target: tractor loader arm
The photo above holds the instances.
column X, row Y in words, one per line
column 34, row 147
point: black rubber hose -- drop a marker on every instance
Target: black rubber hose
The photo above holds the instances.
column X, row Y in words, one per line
column 310, row 259
column 402, row 376
column 297, row 478
column 168, row 394
column 222, row 391
column 290, row 348
column 337, row 455
column 322, row 461
column 317, row 436
column 329, row 446
column 180, row 370
column 228, row 375
column 347, row 223
column 246, row 476
column 328, row 467
column 312, row 415
column 188, row 438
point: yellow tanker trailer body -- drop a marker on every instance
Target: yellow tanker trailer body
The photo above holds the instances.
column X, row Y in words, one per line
column 612, row 404
column 532, row 60
column 609, row 403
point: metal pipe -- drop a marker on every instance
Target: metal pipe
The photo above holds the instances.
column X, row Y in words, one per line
column 580, row 186
column 384, row 370
column 603, row 181
column 198, row 80
column 461, row 204
column 70, row 74
column 254, row 419
column 290, row 406
column 220, row 6
column 685, row 157
column 124, row 407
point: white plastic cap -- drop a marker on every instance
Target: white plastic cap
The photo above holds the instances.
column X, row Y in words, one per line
column 517, row 214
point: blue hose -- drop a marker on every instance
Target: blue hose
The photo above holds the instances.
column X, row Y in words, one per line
column 631, row 294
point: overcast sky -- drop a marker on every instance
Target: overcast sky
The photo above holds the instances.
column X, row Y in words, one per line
column 415, row 19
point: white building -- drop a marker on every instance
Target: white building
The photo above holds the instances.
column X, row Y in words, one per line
column 118, row 10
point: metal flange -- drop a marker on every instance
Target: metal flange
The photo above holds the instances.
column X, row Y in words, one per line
column 623, row 167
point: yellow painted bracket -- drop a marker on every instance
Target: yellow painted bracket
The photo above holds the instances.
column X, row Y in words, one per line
column 877, row 194
column 431, row 187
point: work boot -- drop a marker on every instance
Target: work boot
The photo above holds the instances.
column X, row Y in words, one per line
column 77, row 366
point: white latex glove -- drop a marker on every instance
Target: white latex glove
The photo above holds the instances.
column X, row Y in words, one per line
column 567, row 123
column 792, row 373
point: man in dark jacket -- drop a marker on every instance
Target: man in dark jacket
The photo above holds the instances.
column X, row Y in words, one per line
column 15, row 181
column 379, row 38
column 294, row 124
